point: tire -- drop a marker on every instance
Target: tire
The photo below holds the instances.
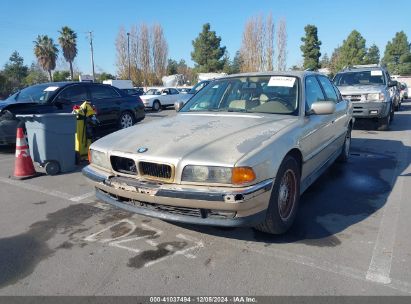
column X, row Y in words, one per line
column 281, row 212
column 345, row 153
column 126, row 120
column 52, row 168
column 156, row 106
column 392, row 115
column 384, row 123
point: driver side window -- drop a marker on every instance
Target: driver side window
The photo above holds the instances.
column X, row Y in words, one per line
column 313, row 92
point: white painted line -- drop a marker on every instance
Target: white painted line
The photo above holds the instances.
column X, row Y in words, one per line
column 82, row 197
column 94, row 237
column 380, row 265
column 152, row 243
column 101, row 206
column 158, row 231
column 26, row 186
column 199, row 244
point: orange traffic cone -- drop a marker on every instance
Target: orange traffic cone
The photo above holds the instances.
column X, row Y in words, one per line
column 23, row 167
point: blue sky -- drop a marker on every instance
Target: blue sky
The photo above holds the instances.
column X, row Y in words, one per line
column 22, row 20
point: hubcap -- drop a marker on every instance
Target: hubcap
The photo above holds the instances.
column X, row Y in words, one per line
column 126, row 121
column 287, row 194
column 156, row 106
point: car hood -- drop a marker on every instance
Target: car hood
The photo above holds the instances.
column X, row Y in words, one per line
column 361, row 89
column 220, row 138
column 5, row 103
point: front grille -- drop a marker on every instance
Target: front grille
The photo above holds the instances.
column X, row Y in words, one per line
column 123, row 165
column 353, row 97
column 160, row 171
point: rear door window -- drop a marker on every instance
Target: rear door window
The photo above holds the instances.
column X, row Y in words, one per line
column 74, row 93
column 103, row 92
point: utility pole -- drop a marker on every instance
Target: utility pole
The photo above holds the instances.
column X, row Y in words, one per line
column 92, row 53
column 128, row 55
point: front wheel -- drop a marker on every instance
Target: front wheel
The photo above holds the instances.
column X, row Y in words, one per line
column 284, row 199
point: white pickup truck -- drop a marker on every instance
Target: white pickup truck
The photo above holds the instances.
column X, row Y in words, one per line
column 158, row 98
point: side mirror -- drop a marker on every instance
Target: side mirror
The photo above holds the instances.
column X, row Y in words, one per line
column 178, row 105
column 322, row 108
column 393, row 83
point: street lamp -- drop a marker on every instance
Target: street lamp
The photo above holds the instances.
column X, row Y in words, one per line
column 128, row 54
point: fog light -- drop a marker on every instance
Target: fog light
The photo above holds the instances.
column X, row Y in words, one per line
column 374, row 112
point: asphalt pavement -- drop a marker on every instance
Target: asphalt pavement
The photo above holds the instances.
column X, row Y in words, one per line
column 351, row 235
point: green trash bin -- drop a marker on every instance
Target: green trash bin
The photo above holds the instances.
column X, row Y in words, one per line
column 51, row 140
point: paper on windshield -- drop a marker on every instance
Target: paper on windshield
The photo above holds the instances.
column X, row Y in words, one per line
column 281, row 81
column 376, row 73
column 50, row 89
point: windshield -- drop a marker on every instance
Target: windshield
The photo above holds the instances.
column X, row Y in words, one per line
column 198, row 87
column 37, row 93
column 373, row 77
column 153, row 92
column 254, row 94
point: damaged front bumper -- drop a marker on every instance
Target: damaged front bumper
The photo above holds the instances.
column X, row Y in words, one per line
column 215, row 206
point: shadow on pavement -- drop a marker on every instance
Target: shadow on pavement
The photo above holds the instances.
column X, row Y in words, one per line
column 344, row 195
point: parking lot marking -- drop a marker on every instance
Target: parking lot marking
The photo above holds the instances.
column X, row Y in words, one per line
column 35, row 188
column 380, row 265
column 94, row 237
column 82, row 197
column 39, row 189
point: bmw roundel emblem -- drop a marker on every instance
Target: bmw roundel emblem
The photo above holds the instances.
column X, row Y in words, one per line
column 142, row 150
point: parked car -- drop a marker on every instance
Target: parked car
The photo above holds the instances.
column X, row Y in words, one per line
column 239, row 153
column 115, row 109
column 134, row 91
column 193, row 91
column 160, row 98
column 371, row 90
column 184, row 90
column 404, row 91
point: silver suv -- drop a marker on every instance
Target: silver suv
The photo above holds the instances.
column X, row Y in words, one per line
column 369, row 88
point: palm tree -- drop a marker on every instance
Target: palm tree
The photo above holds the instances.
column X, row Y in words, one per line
column 46, row 52
column 68, row 43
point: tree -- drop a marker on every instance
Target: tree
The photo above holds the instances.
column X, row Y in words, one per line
column 104, row 76
column 282, row 45
column 61, row 76
column 172, row 66
column 207, row 51
column 257, row 47
column 68, row 43
column 311, row 48
column 353, row 49
column 46, row 52
column 36, row 75
column 397, row 55
column 15, row 71
column 373, row 55
column 335, row 61
column 159, row 50
column 325, row 61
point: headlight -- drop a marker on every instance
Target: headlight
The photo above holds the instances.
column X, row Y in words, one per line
column 218, row 175
column 99, row 158
column 375, row 96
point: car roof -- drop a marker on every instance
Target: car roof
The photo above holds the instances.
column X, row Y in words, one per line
column 299, row 74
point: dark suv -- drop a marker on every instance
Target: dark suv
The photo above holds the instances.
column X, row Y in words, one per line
column 115, row 109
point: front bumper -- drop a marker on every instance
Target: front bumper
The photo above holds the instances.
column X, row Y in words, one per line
column 370, row 109
column 215, row 206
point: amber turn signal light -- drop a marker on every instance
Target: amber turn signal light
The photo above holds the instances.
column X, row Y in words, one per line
column 89, row 156
column 242, row 175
